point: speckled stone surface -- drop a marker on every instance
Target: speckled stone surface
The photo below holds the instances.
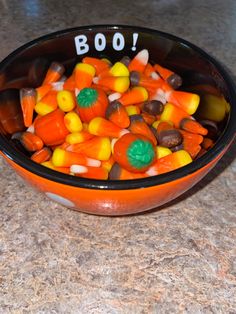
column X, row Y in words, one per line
column 179, row 259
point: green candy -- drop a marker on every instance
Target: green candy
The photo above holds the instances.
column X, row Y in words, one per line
column 87, row 97
column 140, row 154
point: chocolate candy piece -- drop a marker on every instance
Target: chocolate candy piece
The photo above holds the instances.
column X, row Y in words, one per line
column 169, row 138
column 153, row 107
column 174, row 80
column 125, row 60
column 134, row 78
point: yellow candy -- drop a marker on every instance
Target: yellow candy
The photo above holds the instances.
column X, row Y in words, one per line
column 65, row 100
column 103, row 148
column 98, row 148
column 74, row 138
column 107, row 164
column 162, row 151
column 182, row 157
column 72, row 122
column 122, row 84
column 78, row 137
column 212, row 107
column 119, row 69
column 58, row 157
column 85, row 67
column 132, row 109
column 50, row 165
column 47, row 104
column 42, row 108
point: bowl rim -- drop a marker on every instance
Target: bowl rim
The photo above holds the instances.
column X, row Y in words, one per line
column 220, row 146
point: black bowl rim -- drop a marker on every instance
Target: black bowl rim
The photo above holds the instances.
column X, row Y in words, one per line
column 221, row 145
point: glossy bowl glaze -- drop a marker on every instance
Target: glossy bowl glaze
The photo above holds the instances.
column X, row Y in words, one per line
column 26, row 66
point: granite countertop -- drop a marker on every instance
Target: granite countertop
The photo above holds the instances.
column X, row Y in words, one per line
column 178, row 259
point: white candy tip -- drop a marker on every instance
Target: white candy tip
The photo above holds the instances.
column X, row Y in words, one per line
column 77, row 91
column 143, row 55
column 57, row 86
column 30, row 128
column 78, row 169
column 151, row 172
column 93, row 162
column 114, row 96
column 123, row 132
column 155, row 76
column 95, row 80
column 113, row 141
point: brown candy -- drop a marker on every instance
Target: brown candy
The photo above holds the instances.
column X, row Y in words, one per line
column 153, row 107
column 174, row 80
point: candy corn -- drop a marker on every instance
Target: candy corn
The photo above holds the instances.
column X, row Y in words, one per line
column 98, row 173
column 135, row 95
column 41, row 155
column 50, row 165
column 132, row 110
column 42, row 91
column 117, row 114
column 112, row 121
column 84, row 74
column 119, row 69
column 69, row 83
column 103, row 127
column 173, row 79
column 118, row 84
column 181, row 119
column 139, row 62
column 186, row 101
column 119, row 173
column 99, row 65
column 169, row 163
column 78, row 137
column 162, row 151
column 28, row 102
column 97, row 148
column 63, row 158
column 139, row 126
column 47, row 104
column 139, row 79
column 54, row 73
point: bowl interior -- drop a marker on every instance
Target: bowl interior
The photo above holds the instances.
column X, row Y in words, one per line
column 27, row 66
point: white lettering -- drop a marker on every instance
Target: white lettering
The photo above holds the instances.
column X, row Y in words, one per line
column 100, row 42
column 80, row 44
column 118, row 42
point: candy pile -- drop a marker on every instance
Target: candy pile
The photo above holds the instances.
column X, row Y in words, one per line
column 118, row 121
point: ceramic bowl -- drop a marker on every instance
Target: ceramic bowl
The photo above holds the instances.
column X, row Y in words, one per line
column 25, row 67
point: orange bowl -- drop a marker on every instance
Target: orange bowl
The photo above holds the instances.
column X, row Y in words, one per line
column 199, row 71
